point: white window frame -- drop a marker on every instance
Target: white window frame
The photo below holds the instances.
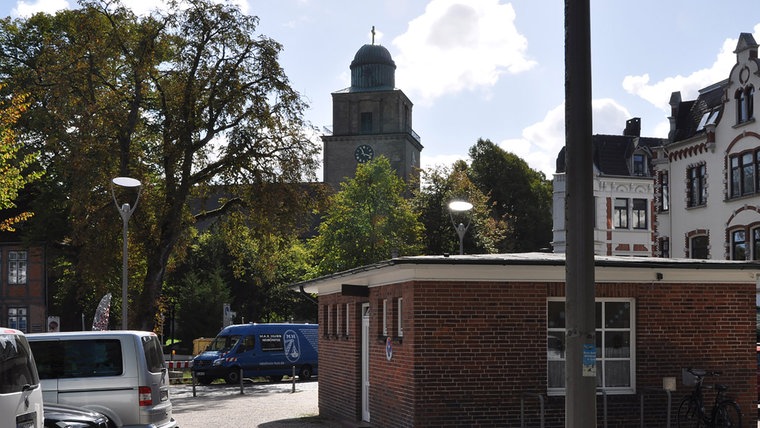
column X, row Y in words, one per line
column 399, row 306
column 601, row 360
column 337, row 319
column 18, row 262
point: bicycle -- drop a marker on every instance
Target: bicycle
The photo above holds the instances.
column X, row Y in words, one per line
column 691, row 412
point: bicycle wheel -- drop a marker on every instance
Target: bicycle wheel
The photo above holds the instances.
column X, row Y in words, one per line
column 728, row 415
column 688, row 414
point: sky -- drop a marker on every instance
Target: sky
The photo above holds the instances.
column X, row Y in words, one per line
column 494, row 69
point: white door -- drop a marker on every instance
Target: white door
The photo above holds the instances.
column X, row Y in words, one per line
column 365, row 362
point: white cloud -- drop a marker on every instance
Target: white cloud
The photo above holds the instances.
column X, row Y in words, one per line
column 541, row 142
column 658, row 93
column 457, row 46
column 26, row 9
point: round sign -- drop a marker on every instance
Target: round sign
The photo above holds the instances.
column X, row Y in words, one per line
column 388, row 348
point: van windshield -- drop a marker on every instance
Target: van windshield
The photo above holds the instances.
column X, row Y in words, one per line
column 224, row 343
column 17, row 369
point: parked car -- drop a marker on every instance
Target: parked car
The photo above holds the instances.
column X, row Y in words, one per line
column 121, row 374
column 61, row 416
column 20, row 390
column 259, row 350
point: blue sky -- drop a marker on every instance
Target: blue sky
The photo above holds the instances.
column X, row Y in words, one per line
column 495, row 69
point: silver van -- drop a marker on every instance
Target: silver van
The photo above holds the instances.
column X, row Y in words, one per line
column 20, row 392
column 121, row 374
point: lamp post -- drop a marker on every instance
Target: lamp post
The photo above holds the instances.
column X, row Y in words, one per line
column 125, row 210
column 460, row 206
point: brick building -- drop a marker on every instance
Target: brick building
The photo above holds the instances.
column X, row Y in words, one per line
column 23, row 287
column 436, row 341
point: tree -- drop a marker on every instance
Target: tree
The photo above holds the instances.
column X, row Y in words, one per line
column 441, row 186
column 15, row 172
column 190, row 102
column 517, row 193
column 367, row 221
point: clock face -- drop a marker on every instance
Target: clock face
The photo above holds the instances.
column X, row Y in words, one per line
column 364, row 153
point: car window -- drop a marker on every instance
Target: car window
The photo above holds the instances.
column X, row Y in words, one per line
column 17, row 367
column 223, row 343
column 153, row 353
column 78, row 358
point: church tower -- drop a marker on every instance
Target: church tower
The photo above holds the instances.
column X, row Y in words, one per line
column 371, row 118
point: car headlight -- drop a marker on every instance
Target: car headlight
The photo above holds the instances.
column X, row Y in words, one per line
column 66, row 424
column 218, row 362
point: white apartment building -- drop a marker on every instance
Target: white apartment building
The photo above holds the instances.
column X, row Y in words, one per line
column 623, row 194
column 707, row 174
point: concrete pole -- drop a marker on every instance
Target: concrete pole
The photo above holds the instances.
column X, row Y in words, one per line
column 580, row 398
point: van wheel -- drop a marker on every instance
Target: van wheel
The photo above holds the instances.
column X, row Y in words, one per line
column 233, row 376
column 275, row 379
column 305, row 373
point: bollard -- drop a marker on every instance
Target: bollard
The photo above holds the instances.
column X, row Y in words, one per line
column 294, row 380
column 241, row 381
column 193, row 372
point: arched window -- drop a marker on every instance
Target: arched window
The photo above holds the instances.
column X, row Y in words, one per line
column 745, row 104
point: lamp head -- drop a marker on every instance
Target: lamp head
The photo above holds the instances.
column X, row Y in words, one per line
column 126, row 182
column 458, row 205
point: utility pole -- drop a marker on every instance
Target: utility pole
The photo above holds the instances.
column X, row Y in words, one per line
column 580, row 334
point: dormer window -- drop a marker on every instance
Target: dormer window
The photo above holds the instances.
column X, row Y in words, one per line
column 640, row 161
column 744, row 104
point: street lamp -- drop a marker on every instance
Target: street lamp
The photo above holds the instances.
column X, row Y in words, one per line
column 125, row 210
column 460, row 206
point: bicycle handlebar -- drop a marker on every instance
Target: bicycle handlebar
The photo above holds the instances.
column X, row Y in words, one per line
column 702, row 373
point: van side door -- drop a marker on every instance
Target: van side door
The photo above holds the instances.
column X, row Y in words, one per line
column 49, row 366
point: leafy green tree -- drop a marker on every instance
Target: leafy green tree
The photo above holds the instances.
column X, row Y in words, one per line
column 518, row 194
column 15, row 166
column 189, row 102
column 367, row 221
column 443, row 185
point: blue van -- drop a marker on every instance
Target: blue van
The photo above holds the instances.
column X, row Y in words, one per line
column 261, row 350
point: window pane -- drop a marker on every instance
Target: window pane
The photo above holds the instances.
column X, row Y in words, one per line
column 556, row 374
column 738, row 245
column 555, row 346
column 748, row 173
column 617, row 344
column 556, row 314
column 617, row 373
column 617, row 315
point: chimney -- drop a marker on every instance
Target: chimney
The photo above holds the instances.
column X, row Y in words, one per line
column 633, row 127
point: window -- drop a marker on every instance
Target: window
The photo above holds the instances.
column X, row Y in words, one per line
column 697, row 191
column 639, row 214
column 744, row 173
column 366, row 122
column 385, row 317
column 620, row 219
column 664, row 192
column 699, row 247
column 17, row 368
column 400, row 325
column 739, row 245
column 615, row 361
column 756, row 244
column 78, row 358
column 664, row 247
column 17, row 267
column 337, row 320
column 744, row 104
column 639, row 164
column 18, row 319
column 326, row 319
column 271, row 342
column 348, row 306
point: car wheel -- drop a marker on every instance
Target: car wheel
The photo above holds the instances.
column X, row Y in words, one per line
column 305, row 373
column 233, row 376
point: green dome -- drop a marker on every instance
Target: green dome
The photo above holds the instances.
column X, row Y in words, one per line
column 372, row 68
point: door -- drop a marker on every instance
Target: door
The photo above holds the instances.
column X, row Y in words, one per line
column 365, row 362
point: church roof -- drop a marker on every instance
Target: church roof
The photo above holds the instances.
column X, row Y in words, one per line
column 372, row 69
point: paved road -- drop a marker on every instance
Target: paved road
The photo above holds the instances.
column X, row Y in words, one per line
column 263, row 405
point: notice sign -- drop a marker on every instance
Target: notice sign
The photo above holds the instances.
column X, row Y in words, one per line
column 589, row 360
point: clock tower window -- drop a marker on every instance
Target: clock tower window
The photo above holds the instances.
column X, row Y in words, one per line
column 366, row 122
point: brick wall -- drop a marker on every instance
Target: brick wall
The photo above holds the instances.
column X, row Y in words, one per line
column 470, row 349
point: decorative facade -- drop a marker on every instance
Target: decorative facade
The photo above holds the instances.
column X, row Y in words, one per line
column 623, row 194
column 707, row 187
